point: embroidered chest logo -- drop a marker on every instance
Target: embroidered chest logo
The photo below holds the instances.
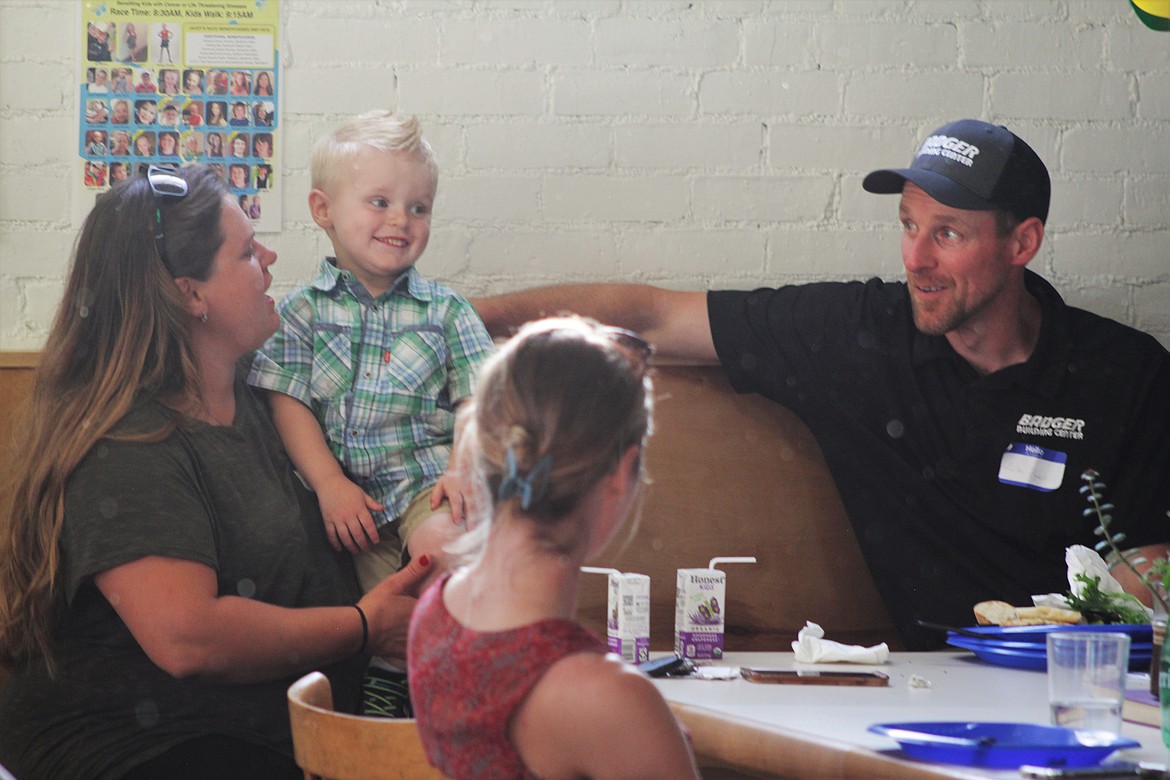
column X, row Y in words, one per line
column 1059, row 427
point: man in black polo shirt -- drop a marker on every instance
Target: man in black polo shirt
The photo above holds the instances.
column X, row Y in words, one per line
column 956, row 410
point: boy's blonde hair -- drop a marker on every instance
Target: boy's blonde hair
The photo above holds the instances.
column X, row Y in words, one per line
column 378, row 129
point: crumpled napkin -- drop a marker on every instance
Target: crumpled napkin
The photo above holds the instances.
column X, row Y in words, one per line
column 1080, row 560
column 812, row 648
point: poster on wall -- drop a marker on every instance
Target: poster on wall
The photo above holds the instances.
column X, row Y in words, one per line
column 180, row 82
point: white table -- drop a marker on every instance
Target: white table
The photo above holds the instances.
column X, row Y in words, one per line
column 821, row 731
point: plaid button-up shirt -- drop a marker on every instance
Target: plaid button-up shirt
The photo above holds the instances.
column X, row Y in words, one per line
column 381, row 375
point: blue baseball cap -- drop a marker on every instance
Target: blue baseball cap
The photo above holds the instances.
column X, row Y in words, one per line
column 974, row 165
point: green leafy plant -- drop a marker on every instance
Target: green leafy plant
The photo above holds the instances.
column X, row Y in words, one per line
column 1157, row 576
column 1096, row 606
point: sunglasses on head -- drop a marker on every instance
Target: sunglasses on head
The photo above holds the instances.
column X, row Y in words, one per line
column 637, row 349
column 165, row 184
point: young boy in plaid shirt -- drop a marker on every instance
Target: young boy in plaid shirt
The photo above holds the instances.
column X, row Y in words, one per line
column 371, row 361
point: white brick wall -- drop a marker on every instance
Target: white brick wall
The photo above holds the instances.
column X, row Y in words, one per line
column 691, row 144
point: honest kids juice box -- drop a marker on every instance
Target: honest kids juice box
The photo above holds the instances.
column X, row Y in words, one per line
column 627, row 617
column 699, row 610
column 628, row 621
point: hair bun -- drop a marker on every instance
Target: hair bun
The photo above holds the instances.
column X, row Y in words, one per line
column 519, row 440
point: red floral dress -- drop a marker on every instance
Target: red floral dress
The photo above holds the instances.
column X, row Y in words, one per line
column 466, row 685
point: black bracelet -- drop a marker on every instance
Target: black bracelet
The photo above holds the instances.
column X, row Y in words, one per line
column 365, row 630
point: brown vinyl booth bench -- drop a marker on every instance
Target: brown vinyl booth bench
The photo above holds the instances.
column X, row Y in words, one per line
column 738, row 475
column 731, row 475
column 16, row 378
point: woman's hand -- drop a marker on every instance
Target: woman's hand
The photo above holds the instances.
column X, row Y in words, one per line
column 388, row 607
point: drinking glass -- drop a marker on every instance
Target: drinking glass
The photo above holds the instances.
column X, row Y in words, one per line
column 1086, row 679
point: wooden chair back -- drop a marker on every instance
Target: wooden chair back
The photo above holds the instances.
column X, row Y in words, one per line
column 331, row 745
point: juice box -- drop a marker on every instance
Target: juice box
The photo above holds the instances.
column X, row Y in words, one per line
column 699, row 610
column 627, row 618
column 628, row 621
column 698, row 613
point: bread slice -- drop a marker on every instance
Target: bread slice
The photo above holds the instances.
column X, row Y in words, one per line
column 994, row 613
column 1000, row 613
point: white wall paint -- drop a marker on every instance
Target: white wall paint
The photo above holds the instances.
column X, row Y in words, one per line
column 690, row 144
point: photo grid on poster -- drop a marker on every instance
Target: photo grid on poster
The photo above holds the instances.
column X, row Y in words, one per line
column 177, row 83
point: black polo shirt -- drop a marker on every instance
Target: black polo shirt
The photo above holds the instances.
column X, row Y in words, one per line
column 960, row 487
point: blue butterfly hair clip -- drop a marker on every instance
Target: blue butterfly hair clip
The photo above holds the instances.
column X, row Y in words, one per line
column 530, row 488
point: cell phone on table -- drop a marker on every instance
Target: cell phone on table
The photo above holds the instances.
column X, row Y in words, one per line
column 759, row 674
column 667, row 666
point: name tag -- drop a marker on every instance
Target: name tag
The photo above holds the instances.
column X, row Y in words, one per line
column 1032, row 466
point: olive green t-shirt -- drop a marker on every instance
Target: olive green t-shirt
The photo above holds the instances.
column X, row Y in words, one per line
column 225, row 497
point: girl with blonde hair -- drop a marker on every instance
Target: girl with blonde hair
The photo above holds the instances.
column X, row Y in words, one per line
column 554, row 436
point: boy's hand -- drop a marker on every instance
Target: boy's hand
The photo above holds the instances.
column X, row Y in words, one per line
column 455, row 491
column 346, row 509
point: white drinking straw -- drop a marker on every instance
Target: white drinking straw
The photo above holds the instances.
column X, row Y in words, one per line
column 598, row 570
column 732, row 559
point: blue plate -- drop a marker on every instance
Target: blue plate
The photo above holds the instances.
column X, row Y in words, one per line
column 1140, row 632
column 1033, row 656
column 1002, row 745
column 1037, row 647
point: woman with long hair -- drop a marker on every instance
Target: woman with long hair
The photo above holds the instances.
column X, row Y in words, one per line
column 163, row 575
column 241, row 82
column 144, row 143
column 554, row 438
column 262, row 145
column 216, row 116
column 264, row 84
column 168, row 144
column 214, row 144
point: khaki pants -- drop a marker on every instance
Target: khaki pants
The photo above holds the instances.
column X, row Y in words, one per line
column 385, row 557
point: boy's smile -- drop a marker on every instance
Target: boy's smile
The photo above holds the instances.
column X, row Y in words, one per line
column 378, row 214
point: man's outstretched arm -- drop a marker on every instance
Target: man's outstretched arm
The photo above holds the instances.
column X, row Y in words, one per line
column 675, row 322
